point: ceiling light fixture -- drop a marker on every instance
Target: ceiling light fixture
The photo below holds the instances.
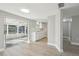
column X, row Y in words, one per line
column 25, row 10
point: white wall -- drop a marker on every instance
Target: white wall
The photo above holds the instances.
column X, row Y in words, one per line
column 58, row 31
column 2, row 37
column 55, row 31
column 75, row 29
column 51, row 30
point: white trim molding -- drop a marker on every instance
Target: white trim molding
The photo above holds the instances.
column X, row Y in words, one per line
column 51, row 44
column 74, row 43
column 60, row 50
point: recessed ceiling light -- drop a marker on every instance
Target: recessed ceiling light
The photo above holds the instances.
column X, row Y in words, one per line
column 25, row 10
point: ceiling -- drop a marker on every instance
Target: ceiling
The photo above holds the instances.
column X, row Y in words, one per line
column 37, row 10
column 72, row 11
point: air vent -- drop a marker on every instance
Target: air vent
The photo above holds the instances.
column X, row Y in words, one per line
column 61, row 5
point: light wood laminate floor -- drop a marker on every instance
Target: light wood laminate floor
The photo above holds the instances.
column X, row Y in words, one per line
column 39, row 48
column 69, row 49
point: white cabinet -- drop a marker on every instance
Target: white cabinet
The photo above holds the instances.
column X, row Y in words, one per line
column 38, row 35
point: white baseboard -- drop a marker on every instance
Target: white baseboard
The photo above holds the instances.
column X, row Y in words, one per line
column 3, row 49
column 74, row 43
column 51, row 44
column 60, row 50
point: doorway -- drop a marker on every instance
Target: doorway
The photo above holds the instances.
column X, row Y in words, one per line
column 67, row 32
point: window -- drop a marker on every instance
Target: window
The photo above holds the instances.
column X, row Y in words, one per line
column 26, row 30
column 5, row 29
column 21, row 29
column 12, row 29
